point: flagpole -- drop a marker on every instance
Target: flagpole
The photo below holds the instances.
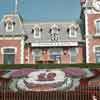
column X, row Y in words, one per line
column 16, row 6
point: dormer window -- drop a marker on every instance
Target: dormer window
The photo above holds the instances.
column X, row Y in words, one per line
column 54, row 32
column 72, row 32
column 9, row 26
column 37, row 32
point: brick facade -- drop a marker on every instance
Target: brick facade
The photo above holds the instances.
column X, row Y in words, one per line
column 93, row 39
column 11, row 43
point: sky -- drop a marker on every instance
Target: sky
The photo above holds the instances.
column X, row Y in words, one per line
column 43, row 10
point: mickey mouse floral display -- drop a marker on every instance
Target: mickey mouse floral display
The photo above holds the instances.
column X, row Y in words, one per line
column 43, row 80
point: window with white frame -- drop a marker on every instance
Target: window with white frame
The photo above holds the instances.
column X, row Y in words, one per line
column 73, row 55
column 72, row 32
column 9, row 55
column 37, row 32
column 98, row 27
column 9, row 26
column 97, row 54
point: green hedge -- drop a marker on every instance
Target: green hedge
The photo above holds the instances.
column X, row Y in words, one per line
column 14, row 66
column 39, row 66
column 46, row 66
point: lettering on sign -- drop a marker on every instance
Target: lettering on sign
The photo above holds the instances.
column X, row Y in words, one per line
column 55, row 44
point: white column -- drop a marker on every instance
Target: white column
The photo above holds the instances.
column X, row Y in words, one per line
column 28, row 55
column 87, row 38
column 22, row 50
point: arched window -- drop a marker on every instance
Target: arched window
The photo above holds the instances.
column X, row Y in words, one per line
column 9, row 25
column 37, row 32
column 72, row 32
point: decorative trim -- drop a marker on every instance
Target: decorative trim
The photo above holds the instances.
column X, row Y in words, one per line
column 10, row 38
column 2, row 49
column 91, row 11
column 59, row 44
column 54, row 25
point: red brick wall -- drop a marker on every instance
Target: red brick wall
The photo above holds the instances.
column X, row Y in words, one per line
column 91, row 22
column 92, row 45
column 80, row 55
column 28, row 57
column 94, row 40
column 11, row 43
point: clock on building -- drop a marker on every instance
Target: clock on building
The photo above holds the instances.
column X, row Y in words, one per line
column 96, row 5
